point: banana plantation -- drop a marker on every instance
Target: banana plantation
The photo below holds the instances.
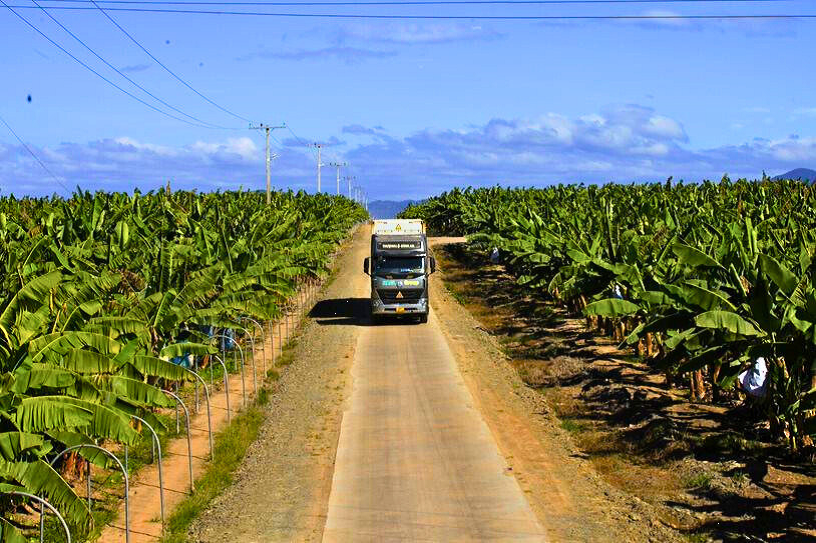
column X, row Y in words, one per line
column 703, row 281
column 101, row 293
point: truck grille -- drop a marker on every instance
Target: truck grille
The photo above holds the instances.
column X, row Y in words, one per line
column 389, row 296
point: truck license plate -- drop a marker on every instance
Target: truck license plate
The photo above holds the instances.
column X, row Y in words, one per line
column 400, row 310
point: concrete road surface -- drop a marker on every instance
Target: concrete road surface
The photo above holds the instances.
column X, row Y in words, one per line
column 415, row 460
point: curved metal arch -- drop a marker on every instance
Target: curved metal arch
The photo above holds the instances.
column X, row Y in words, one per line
column 254, row 368
column 263, row 339
column 226, row 384
column 121, row 468
column 209, row 417
column 44, row 503
column 243, row 379
column 189, row 442
column 159, row 463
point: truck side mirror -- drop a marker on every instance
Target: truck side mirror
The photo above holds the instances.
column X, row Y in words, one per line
column 366, row 264
column 433, row 264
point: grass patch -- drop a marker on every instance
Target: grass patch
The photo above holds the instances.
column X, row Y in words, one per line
column 288, row 355
column 729, row 444
column 230, row 448
column 460, row 299
column 739, row 478
column 285, row 359
column 698, row 537
column 573, row 426
column 698, row 481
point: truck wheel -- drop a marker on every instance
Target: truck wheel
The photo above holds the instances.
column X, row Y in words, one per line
column 423, row 318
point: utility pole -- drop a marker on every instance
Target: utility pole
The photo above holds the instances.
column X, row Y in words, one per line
column 319, row 164
column 338, row 165
column 349, row 179
column 267, row 129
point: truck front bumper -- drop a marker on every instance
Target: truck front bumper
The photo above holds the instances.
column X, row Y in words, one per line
column 379, row 308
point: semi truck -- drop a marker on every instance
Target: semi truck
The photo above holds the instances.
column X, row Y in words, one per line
column 399, row 267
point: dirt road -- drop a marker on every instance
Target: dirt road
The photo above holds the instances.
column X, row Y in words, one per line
column 415, row 461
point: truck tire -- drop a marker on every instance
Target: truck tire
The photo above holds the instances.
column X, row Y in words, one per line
column 423, row 318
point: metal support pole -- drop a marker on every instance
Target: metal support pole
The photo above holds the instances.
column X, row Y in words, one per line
column 280, row 337
column 189, row 442
column 211, row 373
column 159, row 458
column 263, row 340
column 44, row 503
column 88, row 480
column 243, row 379
column 254, row 368
column 287, row 327
column 271, row 325
column 209, row 418
column 195, row 385
column 177, row 418
column 226, row 384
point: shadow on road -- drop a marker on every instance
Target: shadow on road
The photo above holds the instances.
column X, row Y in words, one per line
column 350, row 311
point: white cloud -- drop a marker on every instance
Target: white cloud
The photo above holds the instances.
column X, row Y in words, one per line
column 666, row 18
column 623, row 143
column 242, row 147
column 417, row 33
column 125, row 163
column 805, row 111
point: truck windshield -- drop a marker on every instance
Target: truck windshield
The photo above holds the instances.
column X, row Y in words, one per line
column 400, row 264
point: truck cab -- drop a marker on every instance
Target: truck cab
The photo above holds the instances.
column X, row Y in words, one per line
column 399, row 267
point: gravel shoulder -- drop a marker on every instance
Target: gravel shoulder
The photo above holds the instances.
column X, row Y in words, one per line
column 280, row 492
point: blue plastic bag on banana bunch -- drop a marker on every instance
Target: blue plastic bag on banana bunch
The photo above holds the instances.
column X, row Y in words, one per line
column 494, row 255
column 754, row 379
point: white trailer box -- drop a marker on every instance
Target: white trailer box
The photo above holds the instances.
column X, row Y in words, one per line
column 398, row 227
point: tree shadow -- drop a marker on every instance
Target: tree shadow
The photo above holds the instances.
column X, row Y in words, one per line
column 632, row 411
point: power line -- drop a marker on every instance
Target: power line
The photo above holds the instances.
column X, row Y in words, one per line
column 30, row 152
column 114, row 68
column 87, row 67
column 307, row 145
column 449, row 17
column 168, row 70
column 408, row 2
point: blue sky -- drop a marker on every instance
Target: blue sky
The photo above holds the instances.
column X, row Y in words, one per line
column 415, row 107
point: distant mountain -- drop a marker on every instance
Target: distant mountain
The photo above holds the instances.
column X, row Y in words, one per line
column 804, row 174
column 387, row 209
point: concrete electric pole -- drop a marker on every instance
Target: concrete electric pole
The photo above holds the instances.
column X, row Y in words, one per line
column 319, row 164
column 338, row 165
column 267, row 129
column 349, row 179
